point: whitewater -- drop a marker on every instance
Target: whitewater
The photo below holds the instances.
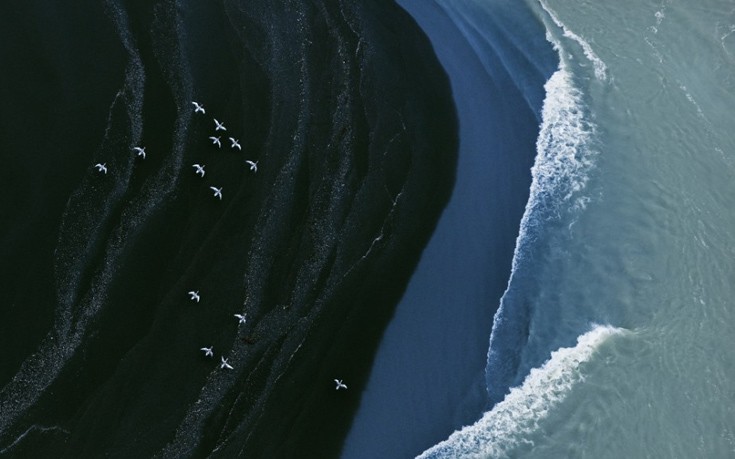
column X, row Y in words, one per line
column 628, row 225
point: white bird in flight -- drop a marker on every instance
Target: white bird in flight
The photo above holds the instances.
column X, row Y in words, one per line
column 217, row 192
column 219, row 126
column 208, row 351
column 199, row 169
column 194, row 295
column 224, row 364
column 198, row 108
column 216, row 141
column 253, row 165
column 242, row 317
column 101, row 167
column 340, row 384
column 140, row 150
column 235, row 143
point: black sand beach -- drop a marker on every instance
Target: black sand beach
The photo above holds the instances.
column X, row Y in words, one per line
column 349, row 116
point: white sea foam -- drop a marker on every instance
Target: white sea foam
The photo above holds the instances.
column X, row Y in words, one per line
column 597, row 63
column 565, row 156
column 660, row 14
column 565, row 152
column 511, row 421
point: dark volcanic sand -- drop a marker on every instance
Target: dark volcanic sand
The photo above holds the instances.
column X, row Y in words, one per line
column 349, row 115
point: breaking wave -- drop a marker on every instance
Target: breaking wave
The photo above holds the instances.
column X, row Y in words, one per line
column 510, row 422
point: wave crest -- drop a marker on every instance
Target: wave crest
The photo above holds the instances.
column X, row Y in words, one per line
column 508, row 424
column 565, row 156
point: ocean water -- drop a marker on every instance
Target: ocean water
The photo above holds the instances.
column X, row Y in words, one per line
column 613, row 337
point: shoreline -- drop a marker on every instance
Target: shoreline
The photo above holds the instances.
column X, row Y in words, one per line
column 366, row 278
column 428, row 377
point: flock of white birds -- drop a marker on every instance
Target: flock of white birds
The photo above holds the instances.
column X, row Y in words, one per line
column 199, row 170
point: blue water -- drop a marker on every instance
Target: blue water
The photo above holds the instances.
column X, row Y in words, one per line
column 428, row 376
column 611, row 337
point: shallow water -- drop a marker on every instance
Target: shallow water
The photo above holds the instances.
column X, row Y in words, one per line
column 427, row 379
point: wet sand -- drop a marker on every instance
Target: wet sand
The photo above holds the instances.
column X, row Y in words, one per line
column 428, row 378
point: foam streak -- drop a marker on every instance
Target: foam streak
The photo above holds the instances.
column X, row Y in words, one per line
column 597, row 63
